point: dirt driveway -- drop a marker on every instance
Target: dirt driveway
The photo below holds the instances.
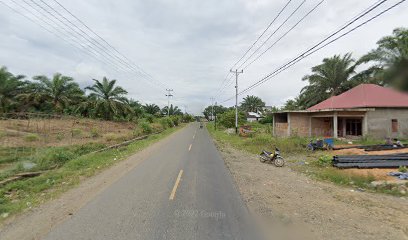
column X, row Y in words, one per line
column 293, row 205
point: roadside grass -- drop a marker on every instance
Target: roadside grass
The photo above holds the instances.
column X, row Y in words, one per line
column 76, row 163
column 316, row 165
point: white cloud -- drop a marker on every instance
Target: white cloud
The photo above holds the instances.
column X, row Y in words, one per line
column 189, row 45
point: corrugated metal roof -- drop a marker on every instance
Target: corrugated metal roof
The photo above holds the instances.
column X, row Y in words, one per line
column 365, row 96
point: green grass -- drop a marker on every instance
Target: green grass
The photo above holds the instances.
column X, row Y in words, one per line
column 76, row 164
column 314, row 164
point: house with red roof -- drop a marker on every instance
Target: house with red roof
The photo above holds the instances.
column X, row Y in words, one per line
column 366, row 110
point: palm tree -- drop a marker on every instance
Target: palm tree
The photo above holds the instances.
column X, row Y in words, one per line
column 10, row 87
column 110, row 99
column 330, row 78
column 60, row 92
column 137, row 108
column 390, row 60
column 173, row 110
column 151, row 109
column 252, row 104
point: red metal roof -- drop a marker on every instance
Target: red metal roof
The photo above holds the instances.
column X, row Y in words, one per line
column 365, row 95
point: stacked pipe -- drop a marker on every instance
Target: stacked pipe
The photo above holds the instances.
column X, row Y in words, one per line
column 371, row 161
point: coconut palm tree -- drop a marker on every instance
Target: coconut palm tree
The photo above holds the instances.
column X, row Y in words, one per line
column 390, row 60
column 252, row 104
column 110, row 99
column 330, row 78
column 10, row 87
column 152, row 109
column 60, row 92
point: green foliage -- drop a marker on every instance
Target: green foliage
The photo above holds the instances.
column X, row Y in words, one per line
column 76, row 132
column 166, row 122
column 152, row 109
column 146, row 128
column 54, row 157
column 402, row 169
column 324, row 161
column 31, row 137
column 176, row 120
column 174, row 110
column 227, row 119
column 267, row 119
column 187, row 118
column 95, row 132
column 252, row 104
column 218, row 110
column 149, row 118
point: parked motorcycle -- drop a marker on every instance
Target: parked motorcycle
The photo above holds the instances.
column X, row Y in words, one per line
column 272, row 157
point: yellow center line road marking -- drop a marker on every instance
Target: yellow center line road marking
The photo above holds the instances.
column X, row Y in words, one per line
column 189, row 148
column 173, row 192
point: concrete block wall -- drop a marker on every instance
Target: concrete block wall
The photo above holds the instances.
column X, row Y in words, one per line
column 379, row 123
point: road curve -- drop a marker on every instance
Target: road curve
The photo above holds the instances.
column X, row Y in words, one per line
column 183, row 191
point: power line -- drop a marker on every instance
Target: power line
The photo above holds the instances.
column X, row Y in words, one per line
column 286, row 33
column 264, row 42
column 266, row 29
column 316, row 47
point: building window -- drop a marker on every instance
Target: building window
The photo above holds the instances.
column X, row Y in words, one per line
column 394, row 125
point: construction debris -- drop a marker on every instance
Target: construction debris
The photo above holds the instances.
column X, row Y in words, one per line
column 371, row 161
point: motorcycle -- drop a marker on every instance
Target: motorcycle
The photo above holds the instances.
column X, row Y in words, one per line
column 272, row 157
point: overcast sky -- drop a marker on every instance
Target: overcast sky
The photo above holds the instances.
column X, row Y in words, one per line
column 189, row 45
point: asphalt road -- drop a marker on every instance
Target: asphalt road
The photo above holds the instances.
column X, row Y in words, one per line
column 183, row 191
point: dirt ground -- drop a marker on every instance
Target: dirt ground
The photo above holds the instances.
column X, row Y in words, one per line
column 62, row 132
column 356, row 151
column 290, row 205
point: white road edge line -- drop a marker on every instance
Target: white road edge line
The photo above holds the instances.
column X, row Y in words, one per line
column 173, row 192
column 189, row 148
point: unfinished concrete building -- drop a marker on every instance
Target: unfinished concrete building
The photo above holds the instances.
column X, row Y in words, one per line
column 366, row 110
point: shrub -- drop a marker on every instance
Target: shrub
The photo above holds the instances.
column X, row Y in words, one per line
column 60, row 136
column 112, row 137
column 55, row 157
column 150, row 118
column 402, row 169
column 32, row 137
column 166, row 122
column 175, row 120
column 76, row 132
column 146, row 128
column 267, row 119
column 157, row 127
column 95, row 133
column 137, row 131
column 227, row 119
column 324, row 161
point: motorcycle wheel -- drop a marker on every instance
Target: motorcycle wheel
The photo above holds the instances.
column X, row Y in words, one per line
column 263, row 158
column 279, row 162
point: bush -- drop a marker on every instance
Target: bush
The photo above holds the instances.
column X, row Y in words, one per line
column 150, row 118
column 60, row 136
column 324, row 161
column 175, row 120
column 32, row 137
column 227, row 119
column 76, row 132
column 267, row 119
column 157, row 127
column 402, row 169
column 166, row 122
column 95, row 133
column 55, row 158
column 146, row 128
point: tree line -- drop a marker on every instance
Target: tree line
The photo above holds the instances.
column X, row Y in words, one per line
column 104, row 99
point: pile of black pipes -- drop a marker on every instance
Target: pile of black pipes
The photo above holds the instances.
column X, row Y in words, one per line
column 371, row 161
column 380, row 147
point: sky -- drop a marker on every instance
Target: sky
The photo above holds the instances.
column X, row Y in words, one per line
column 186, row 45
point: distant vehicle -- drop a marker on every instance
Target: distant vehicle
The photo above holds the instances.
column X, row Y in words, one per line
column 201, row 124
column 272, row 157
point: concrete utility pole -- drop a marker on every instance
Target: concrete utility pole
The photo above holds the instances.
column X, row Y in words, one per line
column 215, row 117
column 212, row 108
column 236, row 97
column 168, row 95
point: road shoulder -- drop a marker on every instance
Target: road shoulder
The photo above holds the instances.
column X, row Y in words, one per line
column 36, row 222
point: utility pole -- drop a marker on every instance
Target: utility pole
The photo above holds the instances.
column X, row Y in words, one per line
column 236, row 97
column 212, row 108
column 215, row 117
column 168, row 95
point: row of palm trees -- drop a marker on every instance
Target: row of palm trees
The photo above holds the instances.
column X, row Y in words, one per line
column 62, row 95
column 388, row 67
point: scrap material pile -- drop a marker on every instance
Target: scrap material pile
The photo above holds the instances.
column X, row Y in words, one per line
column 371, row 161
